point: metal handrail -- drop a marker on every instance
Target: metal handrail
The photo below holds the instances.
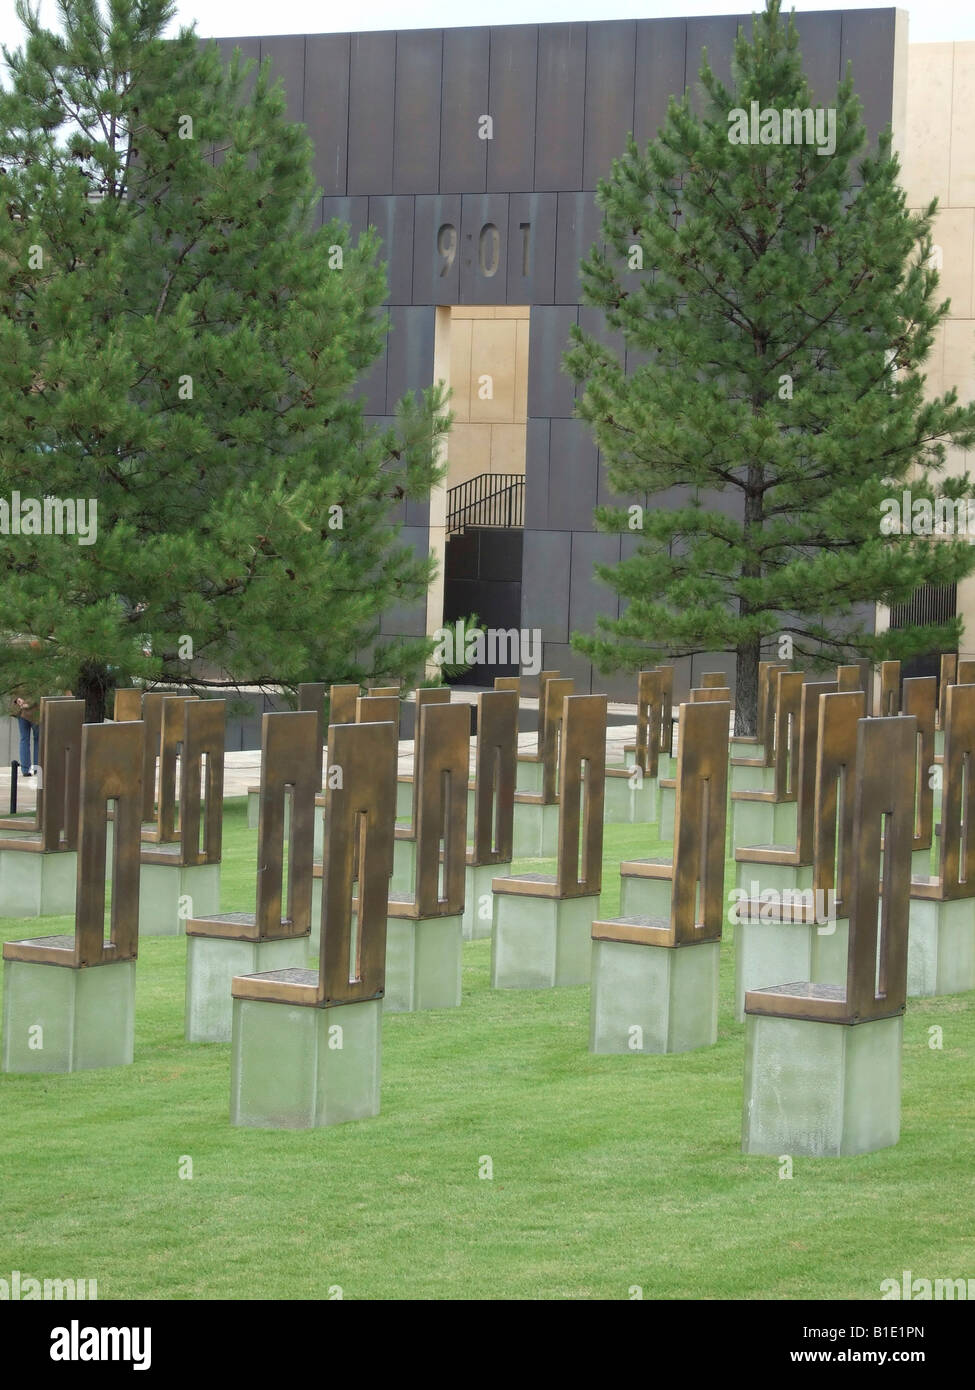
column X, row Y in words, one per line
column 490, row 499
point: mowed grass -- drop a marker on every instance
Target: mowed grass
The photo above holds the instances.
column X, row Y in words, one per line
column 608, row 1172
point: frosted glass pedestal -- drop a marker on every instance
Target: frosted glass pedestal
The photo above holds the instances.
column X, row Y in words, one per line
column 170, row 893
column 211, row 964
column 295, row 1067
column 653, row 998
column 541, row 943
column 38, row 884
column 763, row 823
column 821, row 1090
column 60, row 1019
column 941, row 947
column 423, row 963
column 479, row 899
column 536, row 831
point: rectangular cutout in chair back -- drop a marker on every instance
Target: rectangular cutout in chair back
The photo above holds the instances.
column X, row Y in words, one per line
column 958, row 795
column 812, row 691
column 494, row 775
column 582, row 778
column 359, row 819
column 556, row 691
column 876, row 984
column 111, row 756
column 58, row 803
column 919, row 700
column 839, row 716
column 443, row 748
column 288, row 743
column 697, row 901
column 788, row 702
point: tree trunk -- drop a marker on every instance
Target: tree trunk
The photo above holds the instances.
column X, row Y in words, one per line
column 93, row 685
column 746, row 689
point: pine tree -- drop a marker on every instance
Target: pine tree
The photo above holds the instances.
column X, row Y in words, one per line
column 180, row 344
column 780, row 301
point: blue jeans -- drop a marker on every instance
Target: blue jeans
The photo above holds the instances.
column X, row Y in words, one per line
column 27, row 728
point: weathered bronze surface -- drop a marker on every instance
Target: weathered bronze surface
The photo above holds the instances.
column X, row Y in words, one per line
column 385, row 691
column 647, row 746
column 785, row 744
column 839, row 717
column 666, row 676
column 810, row 695
column 128, row 705
column 171, row 726
column 342, row 704
column 768, row 694
column 714, row 680
column 200, row 727
column 697, row 869
column 152, row 708
column 890, row 689
column 919, row 701
column 543, row 679
column 378, row 709
column 710, row 694
column 440, row 782
column 948, row 675
column 110, row 772
column 876, row 985
column 966, row 673
column 288, row 743
column 358, row 830
column 848, row 678
column 312, row 696
column 508, row 683
column 956, row 862
column 582, row 779
column 55, row 823
column 556, row 691
column 767, row 689
column 494, row 777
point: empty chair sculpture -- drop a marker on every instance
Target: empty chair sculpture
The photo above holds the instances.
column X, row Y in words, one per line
column 307, row 1044
column 405, row 781
column 655, row 967
column 889, row 697
column 494, row 807
column 537, row 813
column 276, row 935
column 38, row 857
column 631, row 790
column 941, row 957
column 700, row 695
column 181, row 870
column 424, row 932
column 823, row 1062
column 69, row 1001
column 769, row 817
column 752, row 758
column 530, row 764
column 780, row 903
column 542, row 922
column 312, row 697
column 653, row 751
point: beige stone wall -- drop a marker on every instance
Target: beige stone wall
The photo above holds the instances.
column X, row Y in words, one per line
column 939, row 162
column 488, row 435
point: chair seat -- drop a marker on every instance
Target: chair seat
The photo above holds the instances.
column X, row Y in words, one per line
column 236, row 926
column 643, row 931
column 291, row 986
column 29, row 844
column 528, row 885
column 43, row 950
column 769, row 854
column 647, row 868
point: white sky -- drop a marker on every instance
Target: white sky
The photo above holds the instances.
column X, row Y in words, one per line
column 931, row 21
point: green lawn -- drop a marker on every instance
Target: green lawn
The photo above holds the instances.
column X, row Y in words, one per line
column 609, row 1172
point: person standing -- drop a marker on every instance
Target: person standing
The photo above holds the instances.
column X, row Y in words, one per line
column 26, row 709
